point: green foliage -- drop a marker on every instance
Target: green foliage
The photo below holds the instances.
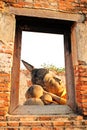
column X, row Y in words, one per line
column 53, row 68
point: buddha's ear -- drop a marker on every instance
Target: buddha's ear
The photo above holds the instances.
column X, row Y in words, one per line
column 27, row 65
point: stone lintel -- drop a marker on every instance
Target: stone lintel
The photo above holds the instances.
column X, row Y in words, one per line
column 47, row 14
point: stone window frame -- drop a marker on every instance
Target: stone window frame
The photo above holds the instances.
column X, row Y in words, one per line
column 45, row 25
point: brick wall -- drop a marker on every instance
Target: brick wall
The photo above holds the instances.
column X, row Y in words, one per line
column 72, row 6
column 7, row 36
column 81, row 87
column 51, row 122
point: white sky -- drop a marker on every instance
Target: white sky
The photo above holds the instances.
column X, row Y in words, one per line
column 40, row 48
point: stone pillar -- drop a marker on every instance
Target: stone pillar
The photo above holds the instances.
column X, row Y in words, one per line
column 81, row 69
column 7, row 31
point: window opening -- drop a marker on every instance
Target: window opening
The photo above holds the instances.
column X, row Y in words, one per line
column 42, row 50
column 40, row 25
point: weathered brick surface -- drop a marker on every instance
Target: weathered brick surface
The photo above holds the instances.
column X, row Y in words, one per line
column 7, row 36
column 55, row 123
column 2, row 5
column 81, row 86
column 66, row 6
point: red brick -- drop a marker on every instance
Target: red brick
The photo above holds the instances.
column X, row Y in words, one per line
column 2, row 4
column 26, row 123
column 22, row 4
column 13, row 123
column 35, row 123
column 4, row 78
column 10, row 1
column 79, row 117
column 36, row 128
column 3, row 123
column 5, row 96
column 58, row 123
column 84, row 1
column 68, row 123
column 82, row 87
column 3, row 111
column 83, row 79
column 62, row 5
column 28, row 118
column 71, row 128
column 58, row 128
column 2, row 118
column 8, row 51
column 42, row 118
column 85, row 122
column 37, row 5
column 85, row 112
column 11, row 128
column 84, row 105
column 3, row 103
column 4, row 87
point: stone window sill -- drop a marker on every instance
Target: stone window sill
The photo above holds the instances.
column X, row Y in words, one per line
column 43, row 110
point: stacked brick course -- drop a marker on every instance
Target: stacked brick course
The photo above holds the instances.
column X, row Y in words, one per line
column 7, row 36
column 44, row 123
column 81, row 87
